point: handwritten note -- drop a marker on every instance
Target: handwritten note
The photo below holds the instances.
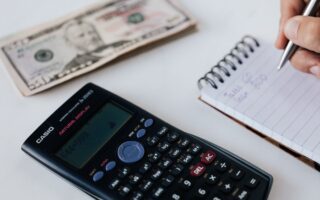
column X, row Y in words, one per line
column 284, row 105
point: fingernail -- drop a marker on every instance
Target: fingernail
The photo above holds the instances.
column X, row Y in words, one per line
column 291, row 28
column 315, row 71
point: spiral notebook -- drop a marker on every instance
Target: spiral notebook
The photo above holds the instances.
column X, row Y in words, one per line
column 283, row 106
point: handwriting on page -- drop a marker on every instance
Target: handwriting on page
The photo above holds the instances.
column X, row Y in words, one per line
column 283, row 105
column 249, row 81
column 256, row 81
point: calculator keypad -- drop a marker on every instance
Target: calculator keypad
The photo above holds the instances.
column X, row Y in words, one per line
column 174, row 164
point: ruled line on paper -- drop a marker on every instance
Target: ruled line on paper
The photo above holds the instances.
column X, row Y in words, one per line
column 303, row 127
column 270, row 104
column 280, row 125
column 285, row 105
column 280, row 84
column 283, row 109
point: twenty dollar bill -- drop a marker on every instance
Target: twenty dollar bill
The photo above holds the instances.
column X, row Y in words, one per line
column 74, row 45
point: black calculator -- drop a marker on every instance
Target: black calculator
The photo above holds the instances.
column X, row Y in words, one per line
column 111, row 149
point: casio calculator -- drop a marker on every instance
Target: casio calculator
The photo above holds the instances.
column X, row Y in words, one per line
column 112, row 149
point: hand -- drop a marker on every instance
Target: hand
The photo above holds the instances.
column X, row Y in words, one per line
column 304, row 32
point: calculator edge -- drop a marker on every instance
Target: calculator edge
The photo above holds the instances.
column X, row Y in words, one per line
column 41, row 157
column 261, row 171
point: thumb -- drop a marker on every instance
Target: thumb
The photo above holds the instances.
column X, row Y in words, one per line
column 304, row 32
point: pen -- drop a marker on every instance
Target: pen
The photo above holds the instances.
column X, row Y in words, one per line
column 291, row 48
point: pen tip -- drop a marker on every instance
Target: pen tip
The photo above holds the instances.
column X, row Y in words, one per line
column 281, row 64
column 279, row 67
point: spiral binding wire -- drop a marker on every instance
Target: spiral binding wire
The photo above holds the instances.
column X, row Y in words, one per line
column 243, row 49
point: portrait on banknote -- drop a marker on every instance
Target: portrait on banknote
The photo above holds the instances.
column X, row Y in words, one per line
column 49, row 55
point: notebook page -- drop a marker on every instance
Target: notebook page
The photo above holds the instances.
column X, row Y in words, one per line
column 284, row 105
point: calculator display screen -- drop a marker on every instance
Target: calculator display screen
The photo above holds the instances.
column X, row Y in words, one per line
column 94, row 135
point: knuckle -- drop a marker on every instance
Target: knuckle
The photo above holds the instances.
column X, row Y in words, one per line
column 312, row 36
column 297, row 66
column 298, row 61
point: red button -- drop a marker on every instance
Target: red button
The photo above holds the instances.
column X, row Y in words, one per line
column 197, row 170
column 208, row 157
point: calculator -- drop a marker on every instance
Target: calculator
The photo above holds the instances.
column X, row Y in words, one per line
column 111, row 149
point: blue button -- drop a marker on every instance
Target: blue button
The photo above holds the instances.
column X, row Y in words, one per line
column 148, row 123
column 141, row 133
column 110, row 166
column 130, row 152
column 98, row 176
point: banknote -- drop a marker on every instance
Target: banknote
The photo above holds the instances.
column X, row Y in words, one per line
column 53, row 53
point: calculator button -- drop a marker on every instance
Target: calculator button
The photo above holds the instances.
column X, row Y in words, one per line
column 176, row 196
column 152, row 140
column 222, row 166
column 173, row 137
column 137, row 196
column 186, row 184
column 124, row 190
column 114, row 184
column 166, row 181
column 242, row 195
column 194, row 149
column 140, row 133
column 148, row 123
column 208, row 157
column 183, row 143
column 197, row 170
column 145, row 167
column 130, row 152
column 163, row 131
column 174, row 152
column 212, row 179
column 163, row 147
column 98, row 176
column 134, row 179
column 176, row 169
column 156, row 174
column 146, row 185
column 110, row 166
column 252, row 182
column 185, row 159
column 226, row 187
column 216, row 197
column 156, row 193
column 237, row 174
column 124, row 172
column 165, row 163
column 154, row 157
column 201, row 192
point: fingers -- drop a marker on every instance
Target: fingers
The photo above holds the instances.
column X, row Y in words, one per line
column 289, row 9
column 305, row 32
column 306, row 61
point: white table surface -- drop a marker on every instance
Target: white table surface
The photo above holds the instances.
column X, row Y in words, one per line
column 161, row 80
